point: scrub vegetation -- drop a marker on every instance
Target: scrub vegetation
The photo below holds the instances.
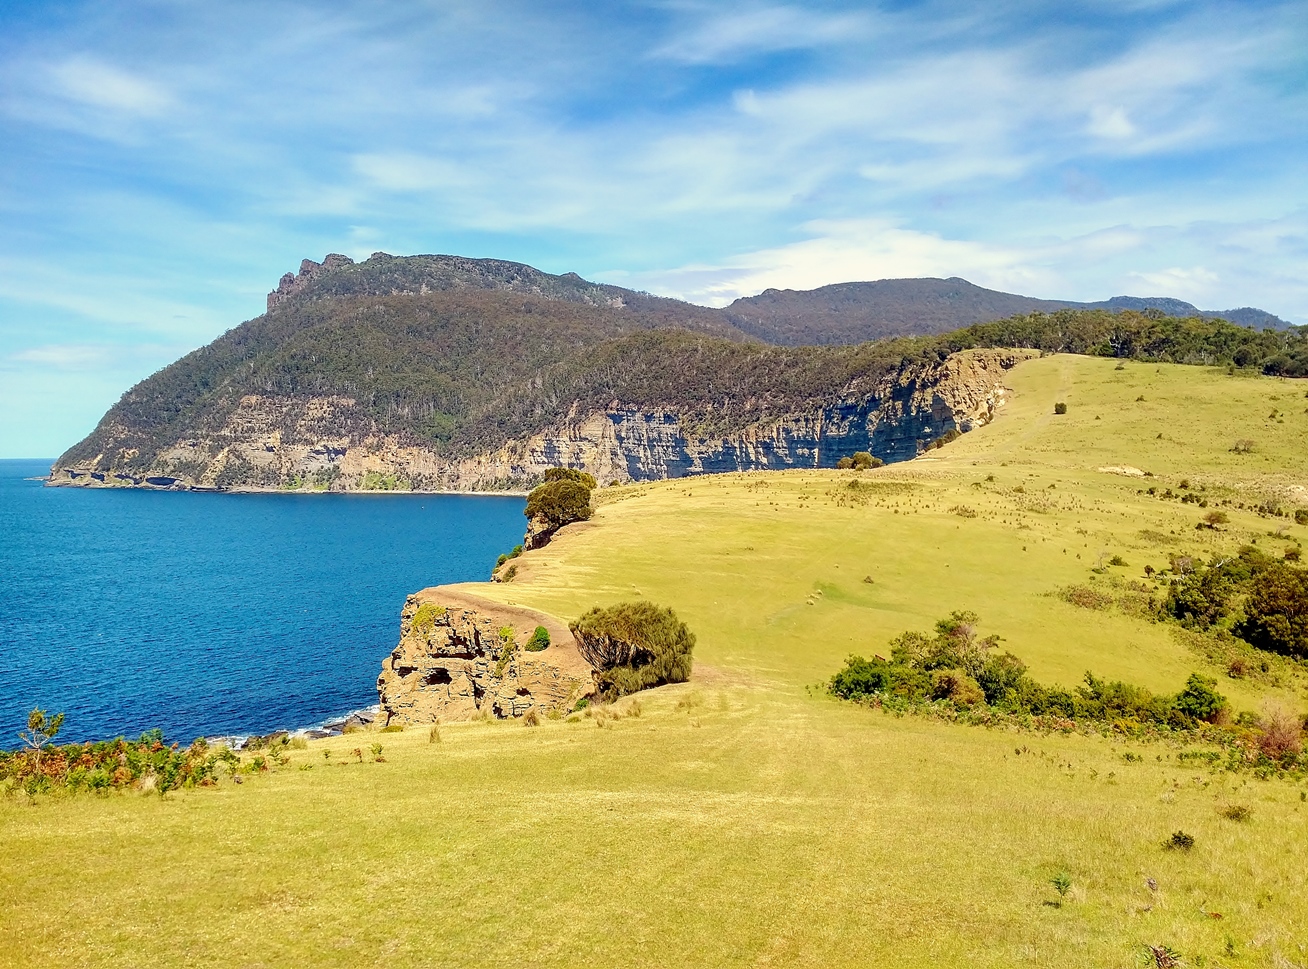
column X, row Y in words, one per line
column 747, row 817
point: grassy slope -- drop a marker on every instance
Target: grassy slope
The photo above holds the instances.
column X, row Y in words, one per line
column 740, row 820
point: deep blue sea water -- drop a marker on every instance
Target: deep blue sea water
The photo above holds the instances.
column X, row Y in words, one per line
column 212, row 613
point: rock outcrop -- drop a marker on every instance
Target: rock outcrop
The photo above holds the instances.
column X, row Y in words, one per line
column 329, row 442
column 461, row 656
column 293, row 284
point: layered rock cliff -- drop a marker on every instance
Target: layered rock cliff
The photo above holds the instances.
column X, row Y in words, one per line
column 331, row 443
column 461, row 656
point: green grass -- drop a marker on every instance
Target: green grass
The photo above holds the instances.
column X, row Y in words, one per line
column 744, row 819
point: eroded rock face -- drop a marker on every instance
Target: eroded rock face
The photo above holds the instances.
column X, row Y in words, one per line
column 291, row 283
column 329, row 443
column 451, row 662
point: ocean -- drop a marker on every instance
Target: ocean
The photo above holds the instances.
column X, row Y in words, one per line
column 204, row 614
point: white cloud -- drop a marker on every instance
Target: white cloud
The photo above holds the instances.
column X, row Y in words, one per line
column 847, row 251
column 99, row 358
column 102, row 85
column 407, row 172
column 1195, row 285
column 1115, row 261
column 750, row 30
column 1108, row 122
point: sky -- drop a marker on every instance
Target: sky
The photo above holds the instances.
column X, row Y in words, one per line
column 163, row 163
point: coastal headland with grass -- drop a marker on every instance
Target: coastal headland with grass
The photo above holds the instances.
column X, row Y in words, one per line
column 749, row 817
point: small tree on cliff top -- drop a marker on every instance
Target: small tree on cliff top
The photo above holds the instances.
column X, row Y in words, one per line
column 559, row 502
column 564, row 497
column 571, row 474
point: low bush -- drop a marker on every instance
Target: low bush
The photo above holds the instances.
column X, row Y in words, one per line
column 1179, row 841
column 951, row 435
column 425, row 618
column 1279, row 735
column 508, row 646
column 512, row 554
column 634, row 646
column 1060, row 408
column 957, row 666
column 1236, row 812
column 147, row 763
column 540, row 639
column 1085, row 597
column 860, row 461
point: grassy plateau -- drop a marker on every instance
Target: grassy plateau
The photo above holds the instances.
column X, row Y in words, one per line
column 746, row 818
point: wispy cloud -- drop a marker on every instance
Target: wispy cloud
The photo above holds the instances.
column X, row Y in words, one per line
column 102, row 85
column 1091, row 266
column 717, row 35
column 162, row 170
column 94, row 357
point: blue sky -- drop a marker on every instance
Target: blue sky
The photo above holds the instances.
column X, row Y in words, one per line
column 163, row 163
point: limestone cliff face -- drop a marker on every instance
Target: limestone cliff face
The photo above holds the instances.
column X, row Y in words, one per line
column 461, row 656
column 328, row 443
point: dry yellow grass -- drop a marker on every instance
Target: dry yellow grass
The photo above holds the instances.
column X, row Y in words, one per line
column 743, row 819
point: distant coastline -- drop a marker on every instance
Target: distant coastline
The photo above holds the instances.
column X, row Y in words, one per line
column 251, row 490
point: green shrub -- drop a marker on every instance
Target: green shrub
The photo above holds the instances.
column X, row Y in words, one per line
column 508, row 646
column 1060, row 408
column 634, row 646
column 956, row 685
column 539, row 640
column 425, row 618
column 958, row 666
column 859, row 461
column 1179, row 841
column 147, row 763
column 1301, row 516
column 1199, row 700
column 953, row 434
column 1062, row 883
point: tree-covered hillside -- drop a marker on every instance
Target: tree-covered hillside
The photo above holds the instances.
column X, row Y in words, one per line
column 464, row 356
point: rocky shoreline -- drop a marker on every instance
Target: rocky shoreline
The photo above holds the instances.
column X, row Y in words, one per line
column 333, row 727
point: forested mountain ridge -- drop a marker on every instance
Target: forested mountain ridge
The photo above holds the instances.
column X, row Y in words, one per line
column 440, row 372
column 855, row 312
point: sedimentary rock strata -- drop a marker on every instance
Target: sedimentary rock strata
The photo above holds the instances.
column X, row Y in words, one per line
column 329, row 443
column 461, row 656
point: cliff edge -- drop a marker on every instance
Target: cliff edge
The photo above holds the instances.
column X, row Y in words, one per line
column 461, row 656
